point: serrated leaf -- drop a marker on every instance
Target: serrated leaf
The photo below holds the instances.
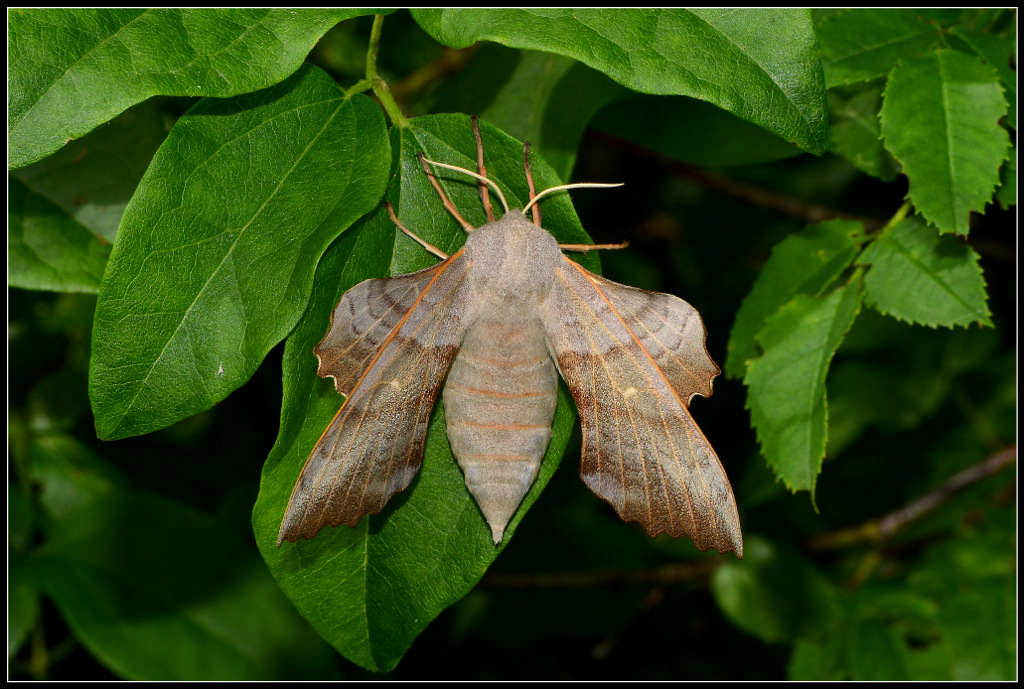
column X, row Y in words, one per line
column 542, row 98
column 47, row 249
column 216, row 252
column 998, row 52
column 804, row 263
column 759, row 64
column 786, row 386
column 157, row 591
column 1007, row 193
column 370, row 590
column 856, row 131
column 864, row 44
column 940, row 118
column 74, row 69
column 922, row 277
column 93, row 178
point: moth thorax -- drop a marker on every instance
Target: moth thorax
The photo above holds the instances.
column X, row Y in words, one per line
column 513, row 259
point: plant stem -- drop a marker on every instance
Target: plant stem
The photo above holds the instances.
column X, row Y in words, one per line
column 878, row 530
column 667, row 575
column 374, row 80
column 897, row 217
column 805, row 211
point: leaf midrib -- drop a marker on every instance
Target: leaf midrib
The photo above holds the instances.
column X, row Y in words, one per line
column 63, row 76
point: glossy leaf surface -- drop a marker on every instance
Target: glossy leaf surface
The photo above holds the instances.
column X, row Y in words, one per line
column 765, row 68
column 215, row 256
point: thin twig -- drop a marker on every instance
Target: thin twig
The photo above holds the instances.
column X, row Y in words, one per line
column 790, row 206
column 664, row 575
column 880, row 529
column 672, row 574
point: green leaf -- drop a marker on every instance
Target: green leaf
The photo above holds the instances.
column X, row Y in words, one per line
column 804, row 263
column 157, row 591
column 786, row 386
column 215, row 256
column 1007, row 193
column 692, row 131
column 818, row 658
column 919, row 276
column 998, row 52
column 979, row 623
column 542, row 98
column 759, row 64
column 856, row 131
column 940, row 119
column 22, row 602
column 93, row 178
column 875, row 652
column 774, row 594
column 974, row 577
column 74, row 69
column 48, row 250
column 69, row 474
column 20, row 518
column 370, row 590
column 864, row 44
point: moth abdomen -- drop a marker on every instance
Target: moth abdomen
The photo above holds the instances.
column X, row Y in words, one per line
column 499, row 401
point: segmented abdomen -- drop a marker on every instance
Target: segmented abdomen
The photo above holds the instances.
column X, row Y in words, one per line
column 499, row 401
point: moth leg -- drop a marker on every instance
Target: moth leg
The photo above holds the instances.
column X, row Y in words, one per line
column 529, row 181
column 590, row 247
column 426, row 245
column 449, row 206
column 482, row 170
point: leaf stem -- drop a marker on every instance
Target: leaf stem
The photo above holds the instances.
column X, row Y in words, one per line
column 380, row 87
column 360, row 86
column 897, row 217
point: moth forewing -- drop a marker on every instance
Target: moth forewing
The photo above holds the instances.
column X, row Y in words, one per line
column 632, row 371
column 374, row 446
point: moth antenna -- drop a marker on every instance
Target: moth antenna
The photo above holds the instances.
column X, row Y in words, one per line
column 471, row 174
column 484, row 196
column 590, row 247
column 426, row 245
column 578, row 185
column 529, row 181
column 449, row 206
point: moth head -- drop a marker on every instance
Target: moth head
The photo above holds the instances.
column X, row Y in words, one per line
column 513, row 257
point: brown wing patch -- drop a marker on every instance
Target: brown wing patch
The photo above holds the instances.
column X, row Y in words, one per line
column 374, row 446
column 670, row 331
column 364, row 318
column 642, row 450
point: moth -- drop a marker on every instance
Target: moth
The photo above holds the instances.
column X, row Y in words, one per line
column 494, row 324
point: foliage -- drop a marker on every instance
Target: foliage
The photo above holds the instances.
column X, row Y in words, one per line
column 191, row 191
